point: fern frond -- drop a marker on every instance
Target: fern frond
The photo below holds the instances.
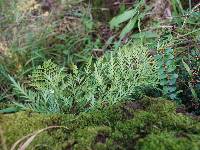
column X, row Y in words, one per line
column 46, row 76
column 21, row 90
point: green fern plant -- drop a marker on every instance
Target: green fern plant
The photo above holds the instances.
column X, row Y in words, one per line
column 113, row 78
column 167, row 74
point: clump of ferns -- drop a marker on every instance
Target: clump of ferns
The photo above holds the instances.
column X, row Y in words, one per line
column 113, row 78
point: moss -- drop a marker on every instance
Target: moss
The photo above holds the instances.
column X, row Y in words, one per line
column 91, row 138
column 166, row 115
column 18, row 125
column 124, row 111
column 128, row 133
column 167, row 141
column 122, row 126
column 109, row 116
column 159, row 115
column 158, row 105
column 91, row 119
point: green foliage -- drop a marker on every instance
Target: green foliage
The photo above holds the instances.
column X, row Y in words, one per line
column 132, row 16
column 186, row 30
column 181, row 32
column 177, row 7
column 111, row 79
column 51, row 36
column 9, row 110
column 167, row 72
column 126, row 16
column 138, row 16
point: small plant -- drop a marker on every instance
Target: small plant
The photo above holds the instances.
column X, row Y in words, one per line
column 192, row 81
column 113, row 78
column 167, row 74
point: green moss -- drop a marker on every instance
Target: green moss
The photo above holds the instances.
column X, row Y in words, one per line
column 146, row 123
column 158, row 105
column 107, row 117
column 18, row 125
column 167, row 141
column 159, row 115
column 120, row 112
column 91, row 138
column 166, row 116
column 91, row 119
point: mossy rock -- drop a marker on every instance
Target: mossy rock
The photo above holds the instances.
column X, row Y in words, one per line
column 150, row 123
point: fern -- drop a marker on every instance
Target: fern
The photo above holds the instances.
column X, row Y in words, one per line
column 46, row 80
column 21, row 91
column 115, row 77
column 167, row 73
column 46, row 76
